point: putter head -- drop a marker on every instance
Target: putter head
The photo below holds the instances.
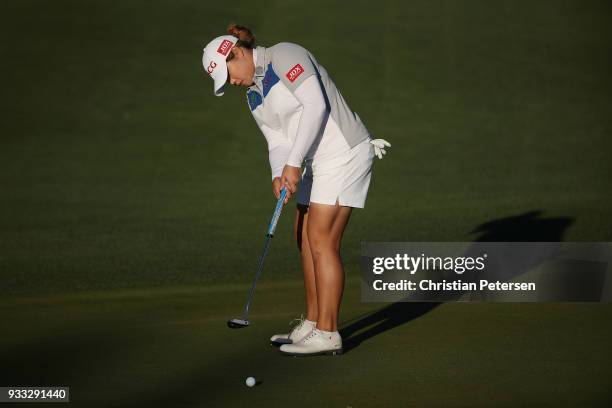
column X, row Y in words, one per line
column 237, row 323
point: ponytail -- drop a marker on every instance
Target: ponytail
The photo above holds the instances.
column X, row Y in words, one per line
column 246, row 39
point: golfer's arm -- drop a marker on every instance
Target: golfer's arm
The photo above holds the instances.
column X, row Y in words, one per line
column 312, row 120
column 278, row 149
column 278, row 158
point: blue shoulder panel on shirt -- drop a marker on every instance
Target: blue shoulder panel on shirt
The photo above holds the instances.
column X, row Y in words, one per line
column 270, row 79
column 254, row 99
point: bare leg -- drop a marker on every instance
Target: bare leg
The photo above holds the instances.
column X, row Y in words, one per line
column 301, row 236
column 325, row 227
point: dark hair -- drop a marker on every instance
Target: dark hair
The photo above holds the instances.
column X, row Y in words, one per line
column 246, row 39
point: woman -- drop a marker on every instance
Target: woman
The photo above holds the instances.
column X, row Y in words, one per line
column 305, row 120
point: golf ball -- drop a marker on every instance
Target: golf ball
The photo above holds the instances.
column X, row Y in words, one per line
column 250, row 381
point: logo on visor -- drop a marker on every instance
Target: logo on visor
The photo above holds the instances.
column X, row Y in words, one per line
column 294, row 72
column 224, row 48
column 211, row 67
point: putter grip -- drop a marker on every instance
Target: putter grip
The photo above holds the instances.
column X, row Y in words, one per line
column 277, row 212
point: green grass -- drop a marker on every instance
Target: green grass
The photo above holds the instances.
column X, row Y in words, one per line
column 133, row 203
column 117, row 172
column 170, row 347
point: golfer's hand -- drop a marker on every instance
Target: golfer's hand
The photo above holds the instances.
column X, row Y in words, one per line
column 379, row 147
column 289, row 179
column 276, row 187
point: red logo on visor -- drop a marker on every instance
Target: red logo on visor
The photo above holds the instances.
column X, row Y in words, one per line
column 211, row 67
column 225, row 46
column 294, row 72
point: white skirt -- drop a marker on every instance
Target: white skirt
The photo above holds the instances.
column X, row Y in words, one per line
column 347, row 180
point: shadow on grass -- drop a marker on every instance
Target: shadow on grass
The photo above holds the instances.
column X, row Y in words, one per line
column 527, row 227
column 60, row 360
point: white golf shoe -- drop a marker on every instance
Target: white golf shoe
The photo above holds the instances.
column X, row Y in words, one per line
column 318, row 342
column 301, row 330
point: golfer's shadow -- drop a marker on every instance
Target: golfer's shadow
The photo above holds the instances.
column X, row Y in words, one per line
column 527, row 227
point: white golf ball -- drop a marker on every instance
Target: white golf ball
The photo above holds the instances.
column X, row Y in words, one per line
column 250, row 381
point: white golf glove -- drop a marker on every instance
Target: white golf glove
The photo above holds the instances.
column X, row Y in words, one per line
column 379, row 147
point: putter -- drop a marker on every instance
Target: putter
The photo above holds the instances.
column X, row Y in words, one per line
column 244, row 322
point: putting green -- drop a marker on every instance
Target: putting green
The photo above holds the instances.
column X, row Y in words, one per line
column 170, row 347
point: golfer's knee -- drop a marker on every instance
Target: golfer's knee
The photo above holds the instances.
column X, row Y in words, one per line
column 321, row 245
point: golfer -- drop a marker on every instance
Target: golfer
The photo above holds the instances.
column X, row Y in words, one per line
column 305, row 121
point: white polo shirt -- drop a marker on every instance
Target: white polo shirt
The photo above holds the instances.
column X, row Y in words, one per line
column 301, row 113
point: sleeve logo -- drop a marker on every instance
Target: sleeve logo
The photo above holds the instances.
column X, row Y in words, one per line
column 294, row 72
column 224, row 48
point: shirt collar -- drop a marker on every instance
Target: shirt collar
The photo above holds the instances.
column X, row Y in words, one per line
column 259, row 57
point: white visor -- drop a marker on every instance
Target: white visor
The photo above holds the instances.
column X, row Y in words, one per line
column 213, row 60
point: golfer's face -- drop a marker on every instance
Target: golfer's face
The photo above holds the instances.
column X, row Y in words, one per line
column 240, row 68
